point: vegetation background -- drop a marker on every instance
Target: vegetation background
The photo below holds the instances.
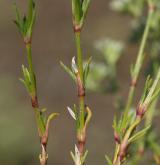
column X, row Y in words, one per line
column 54, row 41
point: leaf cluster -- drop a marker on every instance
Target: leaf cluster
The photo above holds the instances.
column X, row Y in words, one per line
column 73, row 70
column 25, row 23
column 79, row 11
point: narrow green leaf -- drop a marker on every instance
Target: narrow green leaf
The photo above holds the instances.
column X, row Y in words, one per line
column 114, row 125
column 51, row 117
column 43, row 111
column 88, row 118
column 84, row 157
column 77, row 10
column 85, row 7
column 108, row 160
column 77, row 116
column 147, row 86
column 72, row 155
column 155, row 95
column 18, row 18
column 86, row 69
column 40, row 121
column 68, row 70
column 26, row 75
column 31, row 17
column 30, row 10
column 25, row 84
column 139, row 134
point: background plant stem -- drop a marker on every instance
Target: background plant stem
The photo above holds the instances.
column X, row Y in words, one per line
column 139, row 63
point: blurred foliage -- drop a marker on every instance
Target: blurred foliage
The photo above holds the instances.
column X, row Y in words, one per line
column 132, row 7
column 103, row 70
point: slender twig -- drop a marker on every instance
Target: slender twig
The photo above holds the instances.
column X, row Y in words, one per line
column 25, row 26
column 79, row 73
column 139, row 61
column 35, row 105
column 81, row 89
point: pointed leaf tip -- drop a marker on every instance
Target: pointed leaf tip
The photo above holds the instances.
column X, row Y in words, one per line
column 71, row 113
column 74, row 66
column 52, row 116
column 108, row 160
column 68, row 70
column 139, row 134
column 89, row 115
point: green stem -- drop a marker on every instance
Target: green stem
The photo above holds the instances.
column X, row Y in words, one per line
column 81, row 106
column 38, row 114
column 29, row 58
column 80, row 70
column 139, row 62
column 79, row 54
column 30, row 65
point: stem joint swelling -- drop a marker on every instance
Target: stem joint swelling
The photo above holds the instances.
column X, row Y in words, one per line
column 27, row 40
column 76, row 28
column 141, row 111
column 34, row 101
column 81, row 88
column 81, row 142
column 133, row 83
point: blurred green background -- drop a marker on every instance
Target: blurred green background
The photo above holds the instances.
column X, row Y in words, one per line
column 54, row 41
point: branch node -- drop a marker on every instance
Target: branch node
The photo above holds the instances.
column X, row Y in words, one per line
column 34, row 101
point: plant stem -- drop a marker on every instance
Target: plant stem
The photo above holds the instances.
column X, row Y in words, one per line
column 35, row 105
column 79, row 53
column 139, row 62
column 80, row 70
column 81, row 131
column 29, row 58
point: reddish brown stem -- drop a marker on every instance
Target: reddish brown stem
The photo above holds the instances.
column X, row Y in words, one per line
column 43, row 138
